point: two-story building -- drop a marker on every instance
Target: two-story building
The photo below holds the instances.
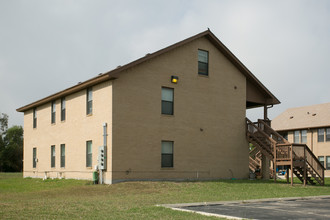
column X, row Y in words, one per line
column 178, row 113
column 308, row 125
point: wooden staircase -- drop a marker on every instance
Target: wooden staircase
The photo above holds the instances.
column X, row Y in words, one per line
column 297, row 157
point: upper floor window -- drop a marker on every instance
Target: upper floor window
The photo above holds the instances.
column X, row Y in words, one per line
column 34, row 118
column 167, row 101
column 303, row 136
column 320, row 135
column 63, row 109
column 89, row 154
column 53, row 112
column 203, row 62
column 52, row 156
column 327, row 132
column 89, row 101
column 296, row 137
column 167, row 154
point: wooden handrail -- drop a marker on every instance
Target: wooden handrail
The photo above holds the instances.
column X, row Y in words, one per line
column 261, row 131
column 273, row 131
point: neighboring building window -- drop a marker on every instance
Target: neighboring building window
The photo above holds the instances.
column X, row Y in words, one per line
column 296, row 137
column 89, row 154
column 34, row 118
column 285, row 135
column 89, row 101
column 34, row 157
column 320, row 135
column 167, row 153
column 203, row 62
column 303, row 136
column 63, row 109
column 321, row 159
column 327, row 137
column 167, row 101
column 62, row 155
column 53, row 112
column 52, row 156
column 328, row 163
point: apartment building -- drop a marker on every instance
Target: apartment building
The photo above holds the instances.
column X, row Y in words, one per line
column 308, row 125
column 175, row 114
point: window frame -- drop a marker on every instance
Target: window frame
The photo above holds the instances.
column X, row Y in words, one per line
column 63, row 109
column 321, row 160
column 301, row 136
column 89, row 101
column 89, row 156
column 34, row 157
column 296, row 139
column 163, row 155
column 201, row 63
column 62, row 155
column 52, row 156
column 53, row 112
column 165, row 102
column 34, row 117
column 319, row 135
column 327, row 164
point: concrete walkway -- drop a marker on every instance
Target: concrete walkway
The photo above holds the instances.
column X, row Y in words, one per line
column 314, row 207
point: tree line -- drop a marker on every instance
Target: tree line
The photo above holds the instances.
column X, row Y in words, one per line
column 11, row 146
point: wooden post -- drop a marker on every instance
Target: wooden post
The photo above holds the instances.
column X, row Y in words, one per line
column 265, row 112
column 287, row 173
column 305, row 171
column 274, row 163
column 291, row 172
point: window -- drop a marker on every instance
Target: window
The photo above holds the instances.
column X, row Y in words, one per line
column 328, row 163
column 296, row 137
column 321, row 159
column 167, row 153
column 52, row 156
column 34, row 118
column 285, row 135
column 63, row 109
column 89, row 154
column 320, row 135
column 327, row 132
column 34, row 157
column 53, row 112
column 62, row 155
column 203, row 62
column 89, row 101
column 303, row 136
column 167, row 101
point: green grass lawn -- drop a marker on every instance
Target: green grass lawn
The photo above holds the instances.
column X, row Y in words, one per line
column 72, row 199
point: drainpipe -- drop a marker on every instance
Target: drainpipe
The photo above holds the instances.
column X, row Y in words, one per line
column 105, row 148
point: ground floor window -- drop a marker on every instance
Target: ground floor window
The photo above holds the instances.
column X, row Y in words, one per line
column 89, row 154
column 52, row 156
column 167, row 154
column 321, row 159
column 62, row 155
column 34, row 158
column 328, row 162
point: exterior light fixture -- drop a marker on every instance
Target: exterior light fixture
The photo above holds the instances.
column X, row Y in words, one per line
column 174, row 79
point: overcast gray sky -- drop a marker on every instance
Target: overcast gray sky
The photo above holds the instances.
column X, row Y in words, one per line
column 47, row 46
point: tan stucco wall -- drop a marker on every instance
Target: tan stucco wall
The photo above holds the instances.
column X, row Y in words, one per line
column 73, row 132
column 214, row 104
column 318, row 148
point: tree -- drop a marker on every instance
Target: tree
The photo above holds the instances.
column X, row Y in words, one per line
column 11, row 146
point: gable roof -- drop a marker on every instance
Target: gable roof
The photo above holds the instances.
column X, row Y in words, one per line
column 113, row 74
column 305, row 117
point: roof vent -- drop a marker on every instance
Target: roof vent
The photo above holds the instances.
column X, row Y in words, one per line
column 291, row 117
column 307, row 113
column 118, row 66
column 100, row 74
column 314, row 114
column 79, row 83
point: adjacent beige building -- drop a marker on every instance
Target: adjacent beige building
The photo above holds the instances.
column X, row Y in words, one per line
column 308, row 125
column 178, row 113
